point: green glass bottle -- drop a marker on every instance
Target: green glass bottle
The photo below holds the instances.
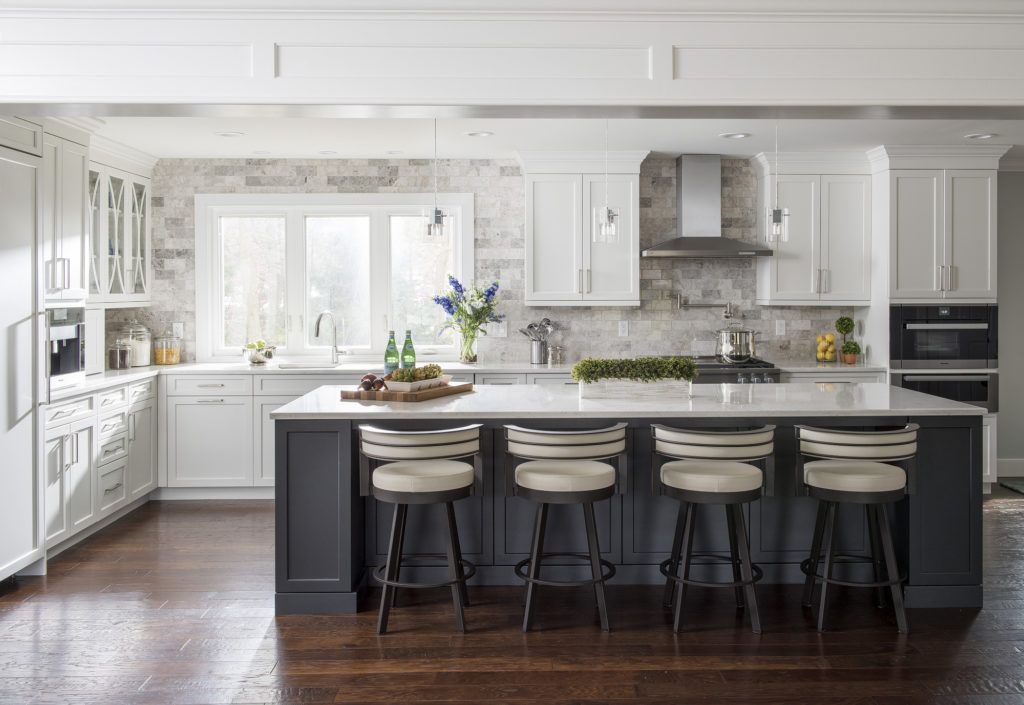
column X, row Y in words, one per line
column 391, row 358
column 408, row 351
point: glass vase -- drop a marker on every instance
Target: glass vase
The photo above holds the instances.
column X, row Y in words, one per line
column 467, row 347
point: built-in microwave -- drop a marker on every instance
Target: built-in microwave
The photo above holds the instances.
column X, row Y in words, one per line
column 65, row 342
column 943, row 337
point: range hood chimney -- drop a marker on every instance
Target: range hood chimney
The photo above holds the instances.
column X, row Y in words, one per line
column 699, row 215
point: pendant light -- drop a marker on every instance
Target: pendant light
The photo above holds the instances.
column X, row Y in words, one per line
column 777, row 219
column 607, row 230
column 435, row 221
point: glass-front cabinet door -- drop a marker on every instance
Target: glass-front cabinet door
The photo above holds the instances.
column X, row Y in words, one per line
column 121, row 266
column 97, row 278
column 137, row 268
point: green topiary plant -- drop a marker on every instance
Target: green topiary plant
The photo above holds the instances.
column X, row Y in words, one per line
column 844, row 326
column 641, row 369
column 851, row 348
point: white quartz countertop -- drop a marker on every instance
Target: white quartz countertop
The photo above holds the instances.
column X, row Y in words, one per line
column 710, row 400
column 110, row 378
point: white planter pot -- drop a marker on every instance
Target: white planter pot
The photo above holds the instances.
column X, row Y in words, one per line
column 627, row 388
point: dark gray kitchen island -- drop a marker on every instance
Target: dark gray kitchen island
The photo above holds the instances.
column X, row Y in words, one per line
column 327, row 535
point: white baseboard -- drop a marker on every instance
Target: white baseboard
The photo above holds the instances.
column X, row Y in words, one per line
column 187, row 493
column 1011, row 467
column 103, row 523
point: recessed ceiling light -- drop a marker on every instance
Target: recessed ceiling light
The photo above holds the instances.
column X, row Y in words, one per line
column 981, row 135
column 481, row 133
column 229, row 133
column 327, row 152
column 734, row 135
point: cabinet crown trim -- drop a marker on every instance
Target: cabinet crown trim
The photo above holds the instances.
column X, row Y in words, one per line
column 799, row 163
column 587, row 162
column 946, row 156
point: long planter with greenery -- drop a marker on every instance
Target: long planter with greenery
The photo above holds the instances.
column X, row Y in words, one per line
column 625, row 377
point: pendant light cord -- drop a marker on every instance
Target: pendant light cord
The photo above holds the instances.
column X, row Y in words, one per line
column 606, row 166
column 432, row 215
column 776, row 165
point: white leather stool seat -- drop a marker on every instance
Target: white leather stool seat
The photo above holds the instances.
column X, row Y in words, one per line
column 711, row 476
column 854, row 476
column 565, row 475
column 423, row 476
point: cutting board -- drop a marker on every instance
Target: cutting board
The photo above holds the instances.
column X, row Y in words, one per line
column 423, row 395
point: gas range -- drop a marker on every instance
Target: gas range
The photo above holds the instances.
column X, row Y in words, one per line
column 714, row 370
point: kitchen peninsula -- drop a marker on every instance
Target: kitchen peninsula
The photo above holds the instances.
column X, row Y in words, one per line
column 327, row 534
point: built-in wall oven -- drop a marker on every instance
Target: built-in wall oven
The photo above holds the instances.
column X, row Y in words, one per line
column 65, row 339
column 948, row 351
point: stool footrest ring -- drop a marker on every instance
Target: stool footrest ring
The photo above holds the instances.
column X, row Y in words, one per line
column 714, row 558
column 468, row 570
column 845, row 558
column 607, row 573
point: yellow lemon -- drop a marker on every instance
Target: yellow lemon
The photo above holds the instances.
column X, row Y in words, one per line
column 830, row 337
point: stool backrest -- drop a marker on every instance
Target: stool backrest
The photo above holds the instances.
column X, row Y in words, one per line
column 694, row 444
column 387, row 445
column 879, row 446
column 596, row 444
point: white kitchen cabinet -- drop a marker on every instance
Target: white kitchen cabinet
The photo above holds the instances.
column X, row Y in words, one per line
column 112, row 487
column 21, row 135
column 826, row 256
column 141, row 475
column 120, row 258
column 263, row 472
column 55, row 455
column 568, row 262
column 65, row 218
column 942, row 242
column 209, row 441
column 500, row 378
column 70, row 461
column 560, row 379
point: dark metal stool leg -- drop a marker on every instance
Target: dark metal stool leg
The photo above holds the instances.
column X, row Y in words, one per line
column 402, row 521
column 534, row 570
column 455, row 571
column 746, row 569
column 877, row 560
column 891, row 567
column 691, row 517
column 453, row 530
column 595, row 564
column 673, row 566
column 809, row 581
column 734, row 555
column 391, row 568
column 829, row 542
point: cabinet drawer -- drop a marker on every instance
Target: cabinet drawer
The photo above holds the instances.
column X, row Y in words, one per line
column 833, row 377
column 140, row 391
column 297, row 385
column 69, row 412
column 236, row 385
column 113, row 449
column 501, row 379
column 113, row 424
column 550, row 379
column 112, row 398
column 110, row 488
column 21, row 135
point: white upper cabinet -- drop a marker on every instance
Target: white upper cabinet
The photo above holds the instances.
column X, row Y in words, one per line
column 568, row 260
column 942, row 241
column 825, row 258
column 120, row 270
column 65, row 218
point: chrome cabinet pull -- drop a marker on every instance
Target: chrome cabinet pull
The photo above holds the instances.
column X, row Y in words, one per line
column 74, row 447
column 589, row 277
column 949, row 278
column 113, row 488
column 579, row 281
column 942, row 279
column 131, row 427
column 209, row 401
column 63, row 453
column 210, row 386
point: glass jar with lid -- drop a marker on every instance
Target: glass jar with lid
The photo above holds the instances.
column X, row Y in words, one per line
column 141, row 342
column 167, row 349
column 119, row 355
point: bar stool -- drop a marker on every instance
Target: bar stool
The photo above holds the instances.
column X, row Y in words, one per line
column 870, row 468
column 564, row 467
column 712, row 467
column 420, row 467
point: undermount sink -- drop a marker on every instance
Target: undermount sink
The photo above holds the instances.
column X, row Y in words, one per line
column 306, row 366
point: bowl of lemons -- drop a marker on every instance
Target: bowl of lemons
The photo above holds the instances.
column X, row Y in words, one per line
column 825, row 347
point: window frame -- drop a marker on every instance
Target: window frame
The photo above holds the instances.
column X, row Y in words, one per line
column 294, row 208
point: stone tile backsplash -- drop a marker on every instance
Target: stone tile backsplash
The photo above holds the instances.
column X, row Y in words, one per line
column 657, row 327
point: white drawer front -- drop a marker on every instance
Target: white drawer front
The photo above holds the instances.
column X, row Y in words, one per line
column 113, row 424
column 111, row 490
column 69, row 412
column 554, row 378
column 235, row 385
column 113, row 449
column 112, row 398
column 500, row 379
column 297, row 385
column 140, row 391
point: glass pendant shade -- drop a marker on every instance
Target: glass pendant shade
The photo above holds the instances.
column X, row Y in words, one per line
column 435, row 223
column 607, row 229
column 778, row 225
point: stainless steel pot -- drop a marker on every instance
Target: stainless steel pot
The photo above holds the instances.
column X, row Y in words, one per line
column 735, row 343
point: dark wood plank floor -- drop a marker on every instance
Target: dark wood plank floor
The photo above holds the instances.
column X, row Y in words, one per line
column 174, row 605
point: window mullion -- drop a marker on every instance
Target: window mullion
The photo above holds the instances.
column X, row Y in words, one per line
column 295, row 273
column 380, row 280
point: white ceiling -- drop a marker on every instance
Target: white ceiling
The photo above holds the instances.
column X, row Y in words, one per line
column 413, row 138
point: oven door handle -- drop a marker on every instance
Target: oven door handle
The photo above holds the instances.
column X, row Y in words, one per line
column 947, row 378
column 946, row 326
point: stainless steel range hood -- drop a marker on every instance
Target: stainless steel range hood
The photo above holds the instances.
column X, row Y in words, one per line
column 699, row 194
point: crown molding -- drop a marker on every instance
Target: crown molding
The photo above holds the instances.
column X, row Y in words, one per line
column 588, row 162
column 107, row 152
column 812, row 163
column 945, row 156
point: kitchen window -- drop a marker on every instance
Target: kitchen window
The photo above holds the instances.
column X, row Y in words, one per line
column 267, row 265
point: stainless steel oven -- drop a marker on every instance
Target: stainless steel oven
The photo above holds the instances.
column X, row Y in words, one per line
column 65, row 340
column 943, row 337
column 978, row 387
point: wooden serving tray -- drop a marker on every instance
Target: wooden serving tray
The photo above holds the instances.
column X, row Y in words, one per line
column 422, row 395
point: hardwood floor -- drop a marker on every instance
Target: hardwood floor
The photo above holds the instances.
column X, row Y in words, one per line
column 173, row 605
